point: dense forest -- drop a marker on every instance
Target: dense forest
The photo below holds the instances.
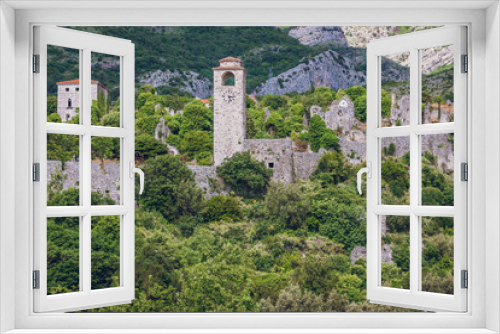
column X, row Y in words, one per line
column 262, row 247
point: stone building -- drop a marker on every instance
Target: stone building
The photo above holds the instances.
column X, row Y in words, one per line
column 229, row 128
column 68, row 97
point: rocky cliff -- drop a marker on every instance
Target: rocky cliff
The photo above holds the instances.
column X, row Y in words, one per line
column 328, row 69
column 188, row 81
column 319, row 35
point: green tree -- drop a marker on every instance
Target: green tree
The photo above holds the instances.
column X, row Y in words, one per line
column 330, row 140
column 286, row 203
column 274, row 101
column 196, row 117
column 169, row 188
column 332, row 169
column 63, row 148
column 247, row 176
column 51, row 105
column 439, row 100
column 317, row 129
column 197, row 142
column 222, row 207
column 360, row 108
column 147, row 147
column 386, row 104
column 354, row 92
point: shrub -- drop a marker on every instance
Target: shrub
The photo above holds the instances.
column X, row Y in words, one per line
column 274, row 101
column 386, row 104
column 360, row 108
column 147, row 146
column 395, row 174
column 247, row 176
column 287, row 203
column 332, row 168
column 398, row 223
column 432, row 196
column 330, row 140
column 223, row 207
column 169, row 188
column 317, row 129
column 196, row 117
column 196, row 143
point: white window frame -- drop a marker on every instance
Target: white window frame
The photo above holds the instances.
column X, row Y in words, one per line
column 16, row 262
column 85, row 44
column 414, row 297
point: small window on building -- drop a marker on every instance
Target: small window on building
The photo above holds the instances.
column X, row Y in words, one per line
column 70, row 103
column 67, row 89
column 228, row 79
column 77, row 89
column 270, row 165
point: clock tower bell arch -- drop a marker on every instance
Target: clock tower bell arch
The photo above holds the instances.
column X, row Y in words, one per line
column 229, row 108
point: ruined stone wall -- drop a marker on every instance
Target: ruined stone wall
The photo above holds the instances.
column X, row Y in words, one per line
column 207, row 180
column 105, row 178
column 275, row 153
column 304, row 163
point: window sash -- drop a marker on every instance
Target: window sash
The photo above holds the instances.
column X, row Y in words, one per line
column 414, row 298
column 86, row 297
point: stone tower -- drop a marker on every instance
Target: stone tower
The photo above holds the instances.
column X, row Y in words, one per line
column 229, row 108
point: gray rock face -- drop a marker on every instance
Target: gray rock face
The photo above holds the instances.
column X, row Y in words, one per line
column 328, row 69
column 188, row 81
column 324, row 35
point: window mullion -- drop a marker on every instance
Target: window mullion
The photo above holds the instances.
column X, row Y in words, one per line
column 414, row 170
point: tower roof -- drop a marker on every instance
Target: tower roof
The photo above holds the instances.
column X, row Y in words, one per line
column 231, row 59
column 76, row 81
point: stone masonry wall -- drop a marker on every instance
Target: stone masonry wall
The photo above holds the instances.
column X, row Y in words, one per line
column 275, row 153
column 105, row 179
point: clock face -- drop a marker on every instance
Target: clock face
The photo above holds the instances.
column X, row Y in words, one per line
column 229, row 95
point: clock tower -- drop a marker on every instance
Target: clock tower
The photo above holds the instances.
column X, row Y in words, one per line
column 229, row 108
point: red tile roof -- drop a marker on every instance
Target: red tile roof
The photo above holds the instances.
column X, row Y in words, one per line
column 78, row 81
column 230, row 59
column 205, row 101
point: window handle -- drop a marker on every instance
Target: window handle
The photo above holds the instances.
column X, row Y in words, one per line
column 368, row 171
column 132, row 171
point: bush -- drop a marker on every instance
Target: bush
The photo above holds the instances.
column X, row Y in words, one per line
column 395, row 174
column 247, row 176
column 287, row 204
column 196, row 143
column 317, row 129
column 398, row 223
column 274, row 101
column 223, row 207
column 147, row 146
column 196, row 117
column 169, row 188
column 386, row 104
column 332, row 169
column 330, row 140
column 360, row 108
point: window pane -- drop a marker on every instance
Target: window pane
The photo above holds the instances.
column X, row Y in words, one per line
column 105, row 252
column 395, row 169
column 63, row 84
column 63, row 255
column 437, row 84
column 105, row 171
column 437, row 254
column 395, row 92
column 437, row 169
column 395, row 251
column 105, row 90
column 63, row 170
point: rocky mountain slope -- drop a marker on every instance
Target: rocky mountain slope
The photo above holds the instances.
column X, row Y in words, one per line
column 322, row 35
column 328, row 69
column 187, row 81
